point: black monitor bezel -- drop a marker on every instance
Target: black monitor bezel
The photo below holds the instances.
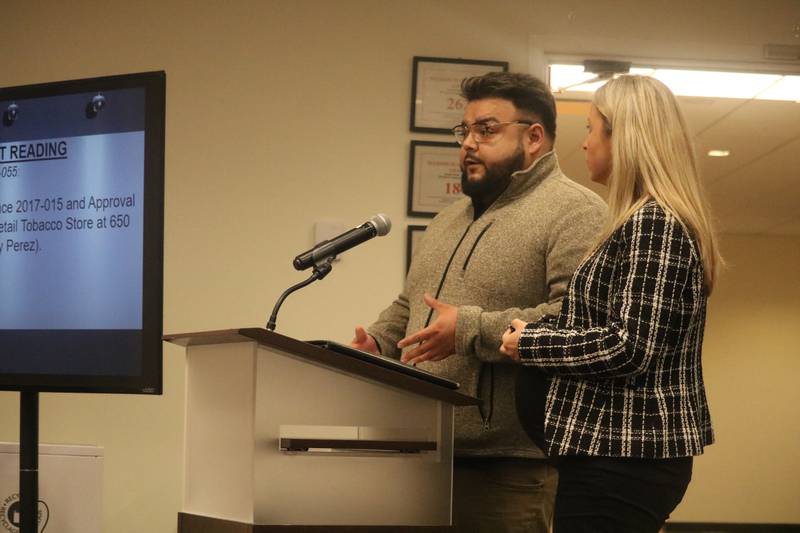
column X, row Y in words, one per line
column 150, row 381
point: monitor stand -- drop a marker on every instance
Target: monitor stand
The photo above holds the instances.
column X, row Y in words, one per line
column 29, row 461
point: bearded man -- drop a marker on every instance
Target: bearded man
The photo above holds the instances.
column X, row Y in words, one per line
column 507, row 250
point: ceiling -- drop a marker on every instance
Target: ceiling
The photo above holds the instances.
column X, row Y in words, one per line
column 755, row 190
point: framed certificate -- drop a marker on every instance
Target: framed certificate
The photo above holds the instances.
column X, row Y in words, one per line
column 434, row 177
column 436, row 103
column 413, row 236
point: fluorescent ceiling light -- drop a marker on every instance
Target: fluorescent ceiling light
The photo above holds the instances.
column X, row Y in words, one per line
column 719, row 153
column 714, row 84
column 788, row 88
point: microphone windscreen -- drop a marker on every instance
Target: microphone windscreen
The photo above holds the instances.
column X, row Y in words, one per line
column 381, row 223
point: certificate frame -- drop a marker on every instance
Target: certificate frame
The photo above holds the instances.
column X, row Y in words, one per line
column 436, row 103
column 413, row 234
column 434, row 177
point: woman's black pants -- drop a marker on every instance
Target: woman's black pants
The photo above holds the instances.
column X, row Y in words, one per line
column 618, row 495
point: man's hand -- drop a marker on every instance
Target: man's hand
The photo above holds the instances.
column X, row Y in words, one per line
column 511, row 339
column 438, row 340
column 364, row 342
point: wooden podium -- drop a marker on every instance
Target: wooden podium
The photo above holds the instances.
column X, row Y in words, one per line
column 282, row 435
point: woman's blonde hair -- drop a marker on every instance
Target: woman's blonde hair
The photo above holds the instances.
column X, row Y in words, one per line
column 653, row 158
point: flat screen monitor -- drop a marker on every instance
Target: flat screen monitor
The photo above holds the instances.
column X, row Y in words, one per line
column 81, row 235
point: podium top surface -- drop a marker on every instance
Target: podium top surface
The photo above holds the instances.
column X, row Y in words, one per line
column 325, row 357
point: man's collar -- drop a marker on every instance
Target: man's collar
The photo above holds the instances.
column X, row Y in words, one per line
column 532, row 165
column 527, row 179
column 524, row 180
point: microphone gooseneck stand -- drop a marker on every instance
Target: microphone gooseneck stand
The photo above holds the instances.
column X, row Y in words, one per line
column 321, row 270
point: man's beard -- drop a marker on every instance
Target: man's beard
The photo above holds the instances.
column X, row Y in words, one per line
column 496, row 178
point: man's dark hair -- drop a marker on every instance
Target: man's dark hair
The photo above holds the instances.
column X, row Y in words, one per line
column 527, row 93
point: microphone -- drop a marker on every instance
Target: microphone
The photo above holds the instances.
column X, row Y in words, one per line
column 377, row 226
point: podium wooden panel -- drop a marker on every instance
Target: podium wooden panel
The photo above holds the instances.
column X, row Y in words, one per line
column 283, row 434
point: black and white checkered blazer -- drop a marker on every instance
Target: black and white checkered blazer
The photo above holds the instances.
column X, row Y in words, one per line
column 624, row 353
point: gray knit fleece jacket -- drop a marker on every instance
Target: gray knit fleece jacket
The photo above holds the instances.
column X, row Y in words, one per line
column 514, row 261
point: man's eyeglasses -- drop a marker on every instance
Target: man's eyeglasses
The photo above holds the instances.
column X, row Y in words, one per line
column 483, row 132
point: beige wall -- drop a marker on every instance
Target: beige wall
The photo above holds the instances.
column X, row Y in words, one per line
column 751, row 366
column 283, row 112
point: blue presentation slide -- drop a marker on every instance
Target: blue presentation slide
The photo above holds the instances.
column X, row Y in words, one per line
column 71, row 215
column 71, row 232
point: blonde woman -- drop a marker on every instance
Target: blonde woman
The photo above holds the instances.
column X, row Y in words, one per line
column 626, row 408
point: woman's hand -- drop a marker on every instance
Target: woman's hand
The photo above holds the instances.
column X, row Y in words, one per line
column 511, row 339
